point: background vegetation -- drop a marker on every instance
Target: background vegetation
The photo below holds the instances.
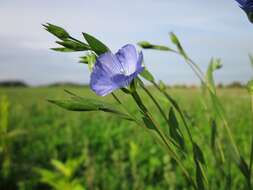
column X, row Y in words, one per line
column 45, row 147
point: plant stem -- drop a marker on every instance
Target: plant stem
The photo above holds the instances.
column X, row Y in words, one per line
column 175, row 105
column 128, row 112
column 161, row 111
column 155, row 102
column 201, row 77
column 173, row 154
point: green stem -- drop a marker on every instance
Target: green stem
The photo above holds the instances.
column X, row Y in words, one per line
column 144, row 110
column 201, row 77
column 155, row 102
column 175, row 105
column 160, row 110
column 128, row 112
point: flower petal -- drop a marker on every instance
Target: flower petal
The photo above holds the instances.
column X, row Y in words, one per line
column 128, row 58
column 100, row 81
column 241, row 2
column 110, row 63
column 107, row 74
column 106, row 66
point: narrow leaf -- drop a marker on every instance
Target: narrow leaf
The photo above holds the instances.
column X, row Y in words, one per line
column 199, row 177
column 77, row 103
column 57, row 31
column 97, row 46
column 69, row 44
column 243, row 166
column 213, row 133
column 147, row 75
column 149, row 124
column 198, row 154
column 62, row 49
column 175, row 132
column 61, row 167
column 147, row 45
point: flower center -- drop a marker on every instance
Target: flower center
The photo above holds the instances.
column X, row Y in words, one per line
column 122, row 71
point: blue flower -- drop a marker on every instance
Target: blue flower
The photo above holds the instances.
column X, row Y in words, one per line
column 247, row 6
column 114, row 71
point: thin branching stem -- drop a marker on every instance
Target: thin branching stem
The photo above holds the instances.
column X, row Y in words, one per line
column 160, row 110
column 173, row 154
column 126, row 109
column 201, row 77
column 155, row 102
column 175, row 105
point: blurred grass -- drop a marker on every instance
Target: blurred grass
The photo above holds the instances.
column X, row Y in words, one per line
column 118, row 154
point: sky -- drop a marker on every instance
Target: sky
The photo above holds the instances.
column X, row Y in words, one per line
column 209, row 28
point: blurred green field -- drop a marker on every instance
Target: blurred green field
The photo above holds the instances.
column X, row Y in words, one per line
column 115, row 154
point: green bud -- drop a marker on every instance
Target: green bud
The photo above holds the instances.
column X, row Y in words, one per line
column 145, row 44
column 57, row 31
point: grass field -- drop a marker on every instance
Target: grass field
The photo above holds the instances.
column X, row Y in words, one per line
column 105, row 151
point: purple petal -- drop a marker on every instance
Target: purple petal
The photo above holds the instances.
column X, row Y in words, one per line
column 109, row 73
column 128, row 57
column 241, row 2
column 100, row 81
column 125, row 80
column 110, row 63
column 106, row 66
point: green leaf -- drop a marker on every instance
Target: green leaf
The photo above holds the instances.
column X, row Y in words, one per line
column 133, row 85
column 46, row 175
column 147, row 75
column 213, row 133
column 176, row 41
column 62, row 49
column 77, row 103
column 147, row 45
column 198, row 154
column 57, row 31
column 97, row 46
column 69, row 44
column 61, row 168
column 199, row 177
column 243, row 166
column 175, row 132
column 149, row 124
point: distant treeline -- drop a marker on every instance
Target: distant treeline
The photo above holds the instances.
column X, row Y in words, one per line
column 59, row 84
column 13, row 84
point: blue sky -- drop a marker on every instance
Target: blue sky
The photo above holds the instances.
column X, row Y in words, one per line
column 209, row 28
